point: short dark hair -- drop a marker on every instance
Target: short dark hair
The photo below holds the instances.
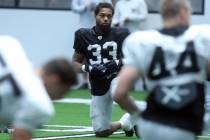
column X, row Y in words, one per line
column 103, row 5
column 63, row 68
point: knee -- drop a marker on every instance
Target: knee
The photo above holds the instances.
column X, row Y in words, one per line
column 105, row 133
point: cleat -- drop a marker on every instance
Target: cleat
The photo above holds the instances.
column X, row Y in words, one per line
column 129, row 133
column 126, row 125
column 126, row 122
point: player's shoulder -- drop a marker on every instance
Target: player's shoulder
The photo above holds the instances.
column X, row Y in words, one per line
column 140, row 41
column 120, row 30
column 201, row 29
column 83, row 31
column 9, row 43
column 143, row 36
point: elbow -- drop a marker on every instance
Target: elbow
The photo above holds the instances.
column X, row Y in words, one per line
column 118, row 96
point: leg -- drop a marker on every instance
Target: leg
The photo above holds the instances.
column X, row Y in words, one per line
column 114, row 126
column 126, row 120
column 101, row 111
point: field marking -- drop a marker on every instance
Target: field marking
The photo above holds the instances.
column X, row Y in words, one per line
column 71, row 136
column 77, row 129
column 71, row 128
column 74, row 100
column 205, row 137
column 68, row 126
column 141, row 104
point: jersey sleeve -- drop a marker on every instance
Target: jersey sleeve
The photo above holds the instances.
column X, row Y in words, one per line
column 207, row 41
column 132, row 51
column 123, row 34
column 78, row 42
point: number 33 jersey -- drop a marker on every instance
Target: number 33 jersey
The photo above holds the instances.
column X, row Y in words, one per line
column 100, row 49
column 174, row 62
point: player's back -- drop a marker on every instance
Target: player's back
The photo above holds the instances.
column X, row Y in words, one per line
column 174, row 63
column 172, row 56
column 20, row 88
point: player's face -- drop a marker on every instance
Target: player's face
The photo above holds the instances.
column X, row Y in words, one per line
column 185, row 14
column 104, row 17
column 54, row 87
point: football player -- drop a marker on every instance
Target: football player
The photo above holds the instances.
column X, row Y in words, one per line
column 24, row 102
column 98, row 52
column 175, row 60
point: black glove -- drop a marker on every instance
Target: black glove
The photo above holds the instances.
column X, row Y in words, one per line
column 112, row 66
column 98, row 70
column 112, row 69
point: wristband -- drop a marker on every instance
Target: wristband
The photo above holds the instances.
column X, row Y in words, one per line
column 86, row 68
column 83, row 68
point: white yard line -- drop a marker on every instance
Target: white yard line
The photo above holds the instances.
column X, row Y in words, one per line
column 205, row 137
column 67, row 128
column 70, row 136
column 74, row 100
column 142, row 104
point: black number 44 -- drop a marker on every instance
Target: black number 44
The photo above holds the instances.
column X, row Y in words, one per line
column 181, row 68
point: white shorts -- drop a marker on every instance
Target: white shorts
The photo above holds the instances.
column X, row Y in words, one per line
column 149, row 130
column 101, row 109
column 25, row 113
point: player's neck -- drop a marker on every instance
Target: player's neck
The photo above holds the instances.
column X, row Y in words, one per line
column 171, row 23
column 176, row 22
column 101, row 31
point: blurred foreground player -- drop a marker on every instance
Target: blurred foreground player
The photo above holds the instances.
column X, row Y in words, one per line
column 24, row 101
column 175, row 60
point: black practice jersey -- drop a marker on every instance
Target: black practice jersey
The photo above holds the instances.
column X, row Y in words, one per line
column 100, row 49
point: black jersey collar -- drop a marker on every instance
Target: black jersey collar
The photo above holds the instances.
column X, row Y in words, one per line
column 175, row 31
column 100, row 33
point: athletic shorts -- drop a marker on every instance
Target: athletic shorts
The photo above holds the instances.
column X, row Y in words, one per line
column 150, row 130
column 101, row 109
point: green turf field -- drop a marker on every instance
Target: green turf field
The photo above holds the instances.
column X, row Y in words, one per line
column 72, row 120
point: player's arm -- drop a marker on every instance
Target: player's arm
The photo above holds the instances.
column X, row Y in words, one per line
column 80, row 66
column 78, row 60
column 127, row 77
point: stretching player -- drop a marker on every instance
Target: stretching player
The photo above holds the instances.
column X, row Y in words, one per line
column 175, row 60
column 24, row 101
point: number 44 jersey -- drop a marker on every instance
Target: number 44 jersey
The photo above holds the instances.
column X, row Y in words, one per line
column 100, row 49
column 174, row 62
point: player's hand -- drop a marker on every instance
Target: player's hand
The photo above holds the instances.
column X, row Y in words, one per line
column 112, row 69
column 98, row 70
column 112, row 66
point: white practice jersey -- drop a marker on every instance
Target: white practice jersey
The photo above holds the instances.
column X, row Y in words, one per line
column 23, row 97
column 174, row 62
column 178, row 65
